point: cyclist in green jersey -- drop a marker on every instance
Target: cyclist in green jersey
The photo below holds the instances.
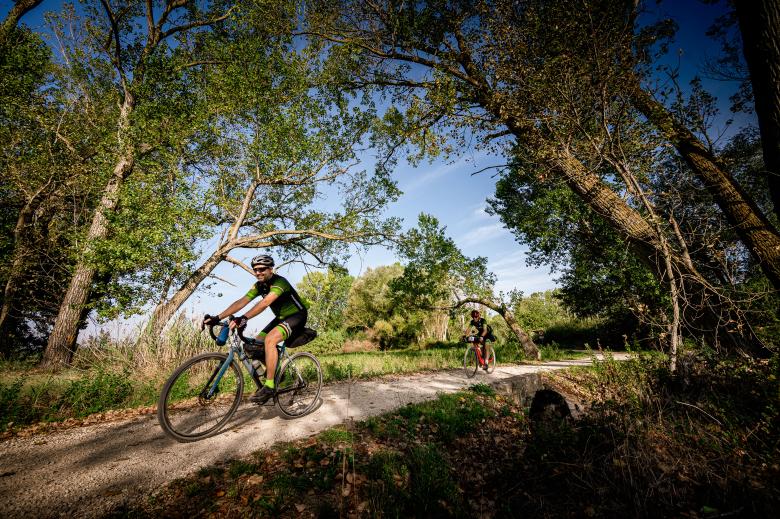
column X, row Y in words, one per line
column 484, row 330
column 290, row 311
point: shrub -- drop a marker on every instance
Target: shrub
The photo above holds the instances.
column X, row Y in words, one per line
column 97, row 392
column 327, row 342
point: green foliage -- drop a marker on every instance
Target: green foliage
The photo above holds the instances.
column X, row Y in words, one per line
column 714, row 420
column 99, row 392
column 327, row 293
column 238, row 468
column 372, row 306
column 436, row 271
column 328, row 342
column 9, row 399
column 336, row 436
column 370, row 298
column 601, row 277
column 482, row 389
column 539, row 311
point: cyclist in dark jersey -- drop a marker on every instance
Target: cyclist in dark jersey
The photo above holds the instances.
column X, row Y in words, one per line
column 290, row 311
column 484, row 330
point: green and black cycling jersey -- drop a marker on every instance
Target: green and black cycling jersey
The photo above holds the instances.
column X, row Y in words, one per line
column 288, row 302
column 480, row 325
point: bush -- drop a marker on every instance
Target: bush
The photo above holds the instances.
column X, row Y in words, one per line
column 99, row 392
column 327, row 343
column 705, row 440
column 10, row 410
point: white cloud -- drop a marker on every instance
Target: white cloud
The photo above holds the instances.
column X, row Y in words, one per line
column 479, row 212
column 429, row 176
column 481, row 235
column 512, row 272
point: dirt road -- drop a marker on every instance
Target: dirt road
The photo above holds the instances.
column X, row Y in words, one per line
column 87, row 471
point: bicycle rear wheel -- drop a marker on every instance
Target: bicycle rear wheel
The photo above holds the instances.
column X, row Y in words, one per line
column 491, row 360
column 298, row 385
column 192, row 406
column 470, row 362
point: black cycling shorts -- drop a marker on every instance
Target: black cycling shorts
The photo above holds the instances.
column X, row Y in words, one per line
column 289, row 326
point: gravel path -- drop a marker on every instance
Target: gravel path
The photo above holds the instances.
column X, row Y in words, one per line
column 87, row 471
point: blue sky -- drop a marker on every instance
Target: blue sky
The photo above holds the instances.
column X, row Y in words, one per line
column 449, row 191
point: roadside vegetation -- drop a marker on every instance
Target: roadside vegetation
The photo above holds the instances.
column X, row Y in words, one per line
column 702, row 443
column 110, row 376
column 363, row 333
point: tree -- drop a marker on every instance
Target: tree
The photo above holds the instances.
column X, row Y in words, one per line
column 759, row 25
column 53, row 118
column 437, row 276
column 488, row 70
column 20, row 8
column 287, row 137
column 373, row 307
column 327, row 292
column 141, row 61
column 600, row 276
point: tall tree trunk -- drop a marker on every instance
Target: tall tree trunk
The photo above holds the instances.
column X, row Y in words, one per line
column 20, row 8
column 759, row 23
column 750, row 224
column 707, row 306
column 66, row 326
column 59, row 348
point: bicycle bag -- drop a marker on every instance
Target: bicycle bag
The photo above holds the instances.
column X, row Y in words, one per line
column 255, row 349
column 306, row 335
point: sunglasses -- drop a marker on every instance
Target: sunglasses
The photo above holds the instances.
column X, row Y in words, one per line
column 261, row 269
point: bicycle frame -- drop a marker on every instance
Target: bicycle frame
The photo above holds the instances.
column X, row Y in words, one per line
column 236, row 349
column 480, row 358
column 477, row 347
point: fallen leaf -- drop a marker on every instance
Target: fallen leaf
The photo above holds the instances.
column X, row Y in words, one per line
column 300, row 507
column 254, row 479
column 220, row 493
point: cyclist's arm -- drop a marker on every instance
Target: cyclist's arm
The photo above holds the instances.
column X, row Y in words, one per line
column 237, row 305
column 262, row 305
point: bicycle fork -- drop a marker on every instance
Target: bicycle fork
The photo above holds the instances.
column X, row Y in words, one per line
column 480, row 358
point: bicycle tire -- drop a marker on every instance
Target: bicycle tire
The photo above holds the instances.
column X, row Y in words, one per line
column 470, row 362
column 298, row 385
column 185, row 413
column 491, row 360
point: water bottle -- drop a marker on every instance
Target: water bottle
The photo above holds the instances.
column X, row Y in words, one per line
column 223, row 336
column 259, row 367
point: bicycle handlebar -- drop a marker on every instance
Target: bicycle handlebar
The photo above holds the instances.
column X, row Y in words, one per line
column 240, row 332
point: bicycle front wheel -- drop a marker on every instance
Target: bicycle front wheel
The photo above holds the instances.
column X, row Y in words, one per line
column 491, row 360
column 470, row 362
column 194, row 404
column 298, row 385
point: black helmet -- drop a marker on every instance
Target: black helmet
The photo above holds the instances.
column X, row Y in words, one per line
column 264, row 260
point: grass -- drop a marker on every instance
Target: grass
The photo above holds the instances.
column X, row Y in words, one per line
column 361, row 470
column 108, row 375
column 702, row 443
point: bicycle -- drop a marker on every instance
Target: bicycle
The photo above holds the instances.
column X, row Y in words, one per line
column 202, row 394
column 474, row 359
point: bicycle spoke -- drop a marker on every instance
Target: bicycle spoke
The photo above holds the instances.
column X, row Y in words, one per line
column 470, row 361
column 193, row 404
column 299, row 384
